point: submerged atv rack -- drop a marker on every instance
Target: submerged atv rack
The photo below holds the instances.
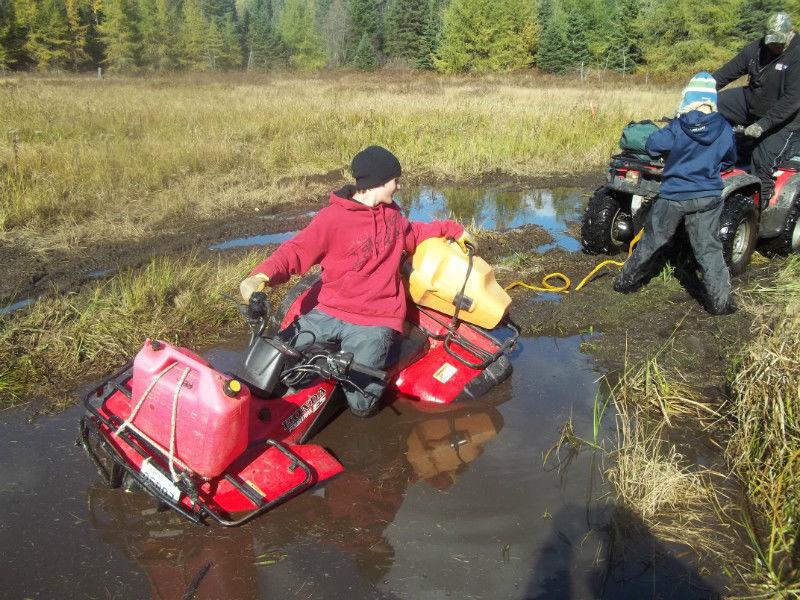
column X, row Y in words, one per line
column 197, row 512
column 453, row 337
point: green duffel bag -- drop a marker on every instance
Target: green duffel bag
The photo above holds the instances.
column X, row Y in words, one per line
column 634, row 136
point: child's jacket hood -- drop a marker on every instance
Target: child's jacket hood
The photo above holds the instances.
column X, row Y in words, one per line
column 703, row 128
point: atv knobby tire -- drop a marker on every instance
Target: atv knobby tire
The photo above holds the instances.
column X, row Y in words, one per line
column 738, row 232
column 788, row 240
column 598, row 223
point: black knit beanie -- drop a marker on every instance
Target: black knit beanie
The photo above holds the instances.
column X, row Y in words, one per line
column 374, row 166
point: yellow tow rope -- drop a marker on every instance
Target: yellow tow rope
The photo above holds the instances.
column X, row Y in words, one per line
column 546, row 286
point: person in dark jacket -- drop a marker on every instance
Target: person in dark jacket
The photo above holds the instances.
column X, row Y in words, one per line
column 696, row 145
column 768, row 105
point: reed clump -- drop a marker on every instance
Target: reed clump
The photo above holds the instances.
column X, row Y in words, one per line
column 764, row 448
column 65, row 339
column 658, row 484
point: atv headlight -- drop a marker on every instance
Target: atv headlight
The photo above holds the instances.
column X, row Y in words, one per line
column 633, row 177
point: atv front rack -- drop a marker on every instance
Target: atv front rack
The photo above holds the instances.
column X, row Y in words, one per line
column 452, row 338
column 95, row 421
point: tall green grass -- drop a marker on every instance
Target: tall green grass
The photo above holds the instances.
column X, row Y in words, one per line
column 66, row 338
column 764, row 448
column 759, row 428
column 78, row 153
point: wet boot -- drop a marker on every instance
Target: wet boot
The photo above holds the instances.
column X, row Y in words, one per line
column 623, row 285
column 727, row 308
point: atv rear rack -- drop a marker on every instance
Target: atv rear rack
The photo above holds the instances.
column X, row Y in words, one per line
column 94, row 420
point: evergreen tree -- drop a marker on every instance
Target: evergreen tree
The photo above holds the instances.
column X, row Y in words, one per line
column 193, row 37
column 218, row 9
column 546, row 13
column 752, row 22
column 364, row 17
column 683, row 36
column 623, row 52
column 433, row 32
column 298, row 30
column 120, row 35
column 365, row 58
column 486, row 35
column 267, row 49
column 214, row 45
column 404, row 29
column 231, row 57
column 45, row 33
column 9, row 38
column 576, row 49
column 94, row 43
column 335, row 26
column 552, row 47
column 158, row 29
column 76, row 36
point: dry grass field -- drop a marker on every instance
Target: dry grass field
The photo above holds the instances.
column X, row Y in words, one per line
column 82, row 158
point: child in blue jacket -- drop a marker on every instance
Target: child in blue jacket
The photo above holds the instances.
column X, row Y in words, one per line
column 695, row 146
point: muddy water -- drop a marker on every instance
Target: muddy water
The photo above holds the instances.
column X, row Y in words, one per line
column 410, row 517
column 454, row 503
column 551, row 209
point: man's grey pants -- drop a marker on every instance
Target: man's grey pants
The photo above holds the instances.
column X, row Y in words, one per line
column 369, row 345
column 701, row 218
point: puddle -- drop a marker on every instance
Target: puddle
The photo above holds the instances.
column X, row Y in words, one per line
column 100, row 273
column 485, row 209
column 550, row 209
column 454, row 503
column 253, row 240
column 10, row 308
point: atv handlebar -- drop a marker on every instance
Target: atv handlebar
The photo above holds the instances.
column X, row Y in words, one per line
column 359, row 368
column 332, row 365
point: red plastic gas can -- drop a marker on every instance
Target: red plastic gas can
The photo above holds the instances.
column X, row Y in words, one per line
column 212, row 421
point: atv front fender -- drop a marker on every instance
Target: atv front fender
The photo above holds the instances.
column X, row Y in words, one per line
column 743, row 183
column 773, row 217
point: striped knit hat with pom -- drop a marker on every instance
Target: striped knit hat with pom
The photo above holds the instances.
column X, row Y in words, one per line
column 702, row 89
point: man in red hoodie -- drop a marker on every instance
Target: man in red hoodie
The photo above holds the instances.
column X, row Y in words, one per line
column 358, row 240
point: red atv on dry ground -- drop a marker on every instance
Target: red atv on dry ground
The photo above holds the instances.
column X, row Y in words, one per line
column 617, row 209
column 229, row 447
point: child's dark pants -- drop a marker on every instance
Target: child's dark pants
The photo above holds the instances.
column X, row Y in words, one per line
column 701, row 218
column 369, row 345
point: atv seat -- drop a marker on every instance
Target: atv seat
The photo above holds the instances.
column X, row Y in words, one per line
column 793, row 164
column 636, row 161
column 406, row 349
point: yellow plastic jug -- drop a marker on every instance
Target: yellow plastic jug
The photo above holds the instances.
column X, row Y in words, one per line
column 438, row 269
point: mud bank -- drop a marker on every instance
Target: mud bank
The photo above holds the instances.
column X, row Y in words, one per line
column 31, row 270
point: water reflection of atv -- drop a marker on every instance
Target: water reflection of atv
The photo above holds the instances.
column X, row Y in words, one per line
column 405, row 447
column 209, row 447
column 617, row 209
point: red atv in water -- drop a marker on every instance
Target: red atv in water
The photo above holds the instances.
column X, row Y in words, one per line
column 229, row 447
column 616, row 210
